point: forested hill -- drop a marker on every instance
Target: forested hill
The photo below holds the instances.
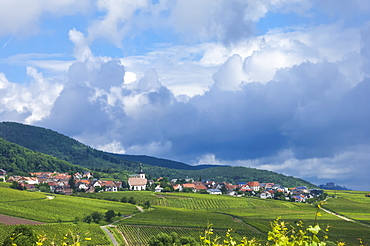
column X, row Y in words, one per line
column 19, row 160
column 60, row 146
column 65, row 148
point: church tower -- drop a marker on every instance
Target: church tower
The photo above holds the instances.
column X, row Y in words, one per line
column 141, row 173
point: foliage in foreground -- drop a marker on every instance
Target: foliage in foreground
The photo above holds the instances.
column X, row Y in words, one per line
column 281, row 234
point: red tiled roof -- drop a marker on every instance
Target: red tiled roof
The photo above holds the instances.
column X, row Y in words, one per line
column 200, row 187
column 188, row 185
column 253, row 183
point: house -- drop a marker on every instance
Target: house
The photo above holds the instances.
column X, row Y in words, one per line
column 30, row 187
column 231, row 187
column 232, row 193
column 77, row 175
column 209, row 184
column 245, row 188
column 113, row 186
column 158, row 189
column 266, row 194
column 137, row 181
column 177, row 187
column 87, row 175
column 2, row 174
column 300, row 190
column 81, row 185
column 198, row 186
column 191, row 186
column 254, row 185
column 214, row 191
column 300, row 198
column 29, row 180
column 97, row 183
column 14, row 178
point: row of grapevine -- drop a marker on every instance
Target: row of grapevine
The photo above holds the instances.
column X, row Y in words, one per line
column 140, row 235
column 88, row 234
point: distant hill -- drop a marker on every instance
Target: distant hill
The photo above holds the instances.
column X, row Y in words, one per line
column 162, row 162
column 332, row 186
column 65, row 148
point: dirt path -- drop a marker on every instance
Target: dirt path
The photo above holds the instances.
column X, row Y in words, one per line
column 8, row 220
column 344, row 218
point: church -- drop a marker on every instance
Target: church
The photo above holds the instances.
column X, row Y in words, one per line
column 137, row 181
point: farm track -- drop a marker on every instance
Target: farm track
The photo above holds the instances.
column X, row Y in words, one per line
column 8, row 220
column 344, row 217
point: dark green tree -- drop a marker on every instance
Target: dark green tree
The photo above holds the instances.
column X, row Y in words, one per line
column 146, row 205
column 88, row 219
column 109, row 215
column 71, row 182
column 124, row 199
column 96, row 216
column 132, row 200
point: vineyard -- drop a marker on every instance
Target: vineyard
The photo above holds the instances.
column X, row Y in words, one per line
column 140, row 235
column 184, row 213
column 89, row 234
column 27, row 205
column 352, row 204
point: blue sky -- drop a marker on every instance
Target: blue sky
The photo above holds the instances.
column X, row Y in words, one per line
column 278, row 85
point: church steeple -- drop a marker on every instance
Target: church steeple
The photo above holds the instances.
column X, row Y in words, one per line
column 141, row 173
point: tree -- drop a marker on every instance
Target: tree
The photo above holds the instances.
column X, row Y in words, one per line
column 88, row 219
column 109, row 215
column 146, row 205
column 124, row 199
column 71, row 182
column 96, row 216
column 132, row 200
column 16, row 185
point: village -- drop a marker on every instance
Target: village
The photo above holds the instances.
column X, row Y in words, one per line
column 68, row 183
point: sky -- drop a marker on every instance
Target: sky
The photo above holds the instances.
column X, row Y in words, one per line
column 280, row 85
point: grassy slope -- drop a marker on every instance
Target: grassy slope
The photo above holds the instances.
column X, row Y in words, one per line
column 352, row 204
column 35, row 206
column 249, row 216
column 56, row 232
column 243, row 214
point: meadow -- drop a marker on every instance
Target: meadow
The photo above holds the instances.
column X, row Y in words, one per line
column 352, row 204
column 36, row 206
column 188, row 214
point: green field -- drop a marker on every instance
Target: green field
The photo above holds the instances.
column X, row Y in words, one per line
column 352, row 204
column 88, row 234
column 189, row 214
column 36, row 206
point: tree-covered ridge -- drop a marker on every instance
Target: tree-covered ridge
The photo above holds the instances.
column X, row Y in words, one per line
column 65, row 148
column 17, row 159
column 60, row 146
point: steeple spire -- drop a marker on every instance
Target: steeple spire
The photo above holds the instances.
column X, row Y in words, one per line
column 141, row 173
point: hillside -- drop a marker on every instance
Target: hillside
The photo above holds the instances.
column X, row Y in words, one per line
column 60, row 146
column 17, row 159
column 65, row 148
